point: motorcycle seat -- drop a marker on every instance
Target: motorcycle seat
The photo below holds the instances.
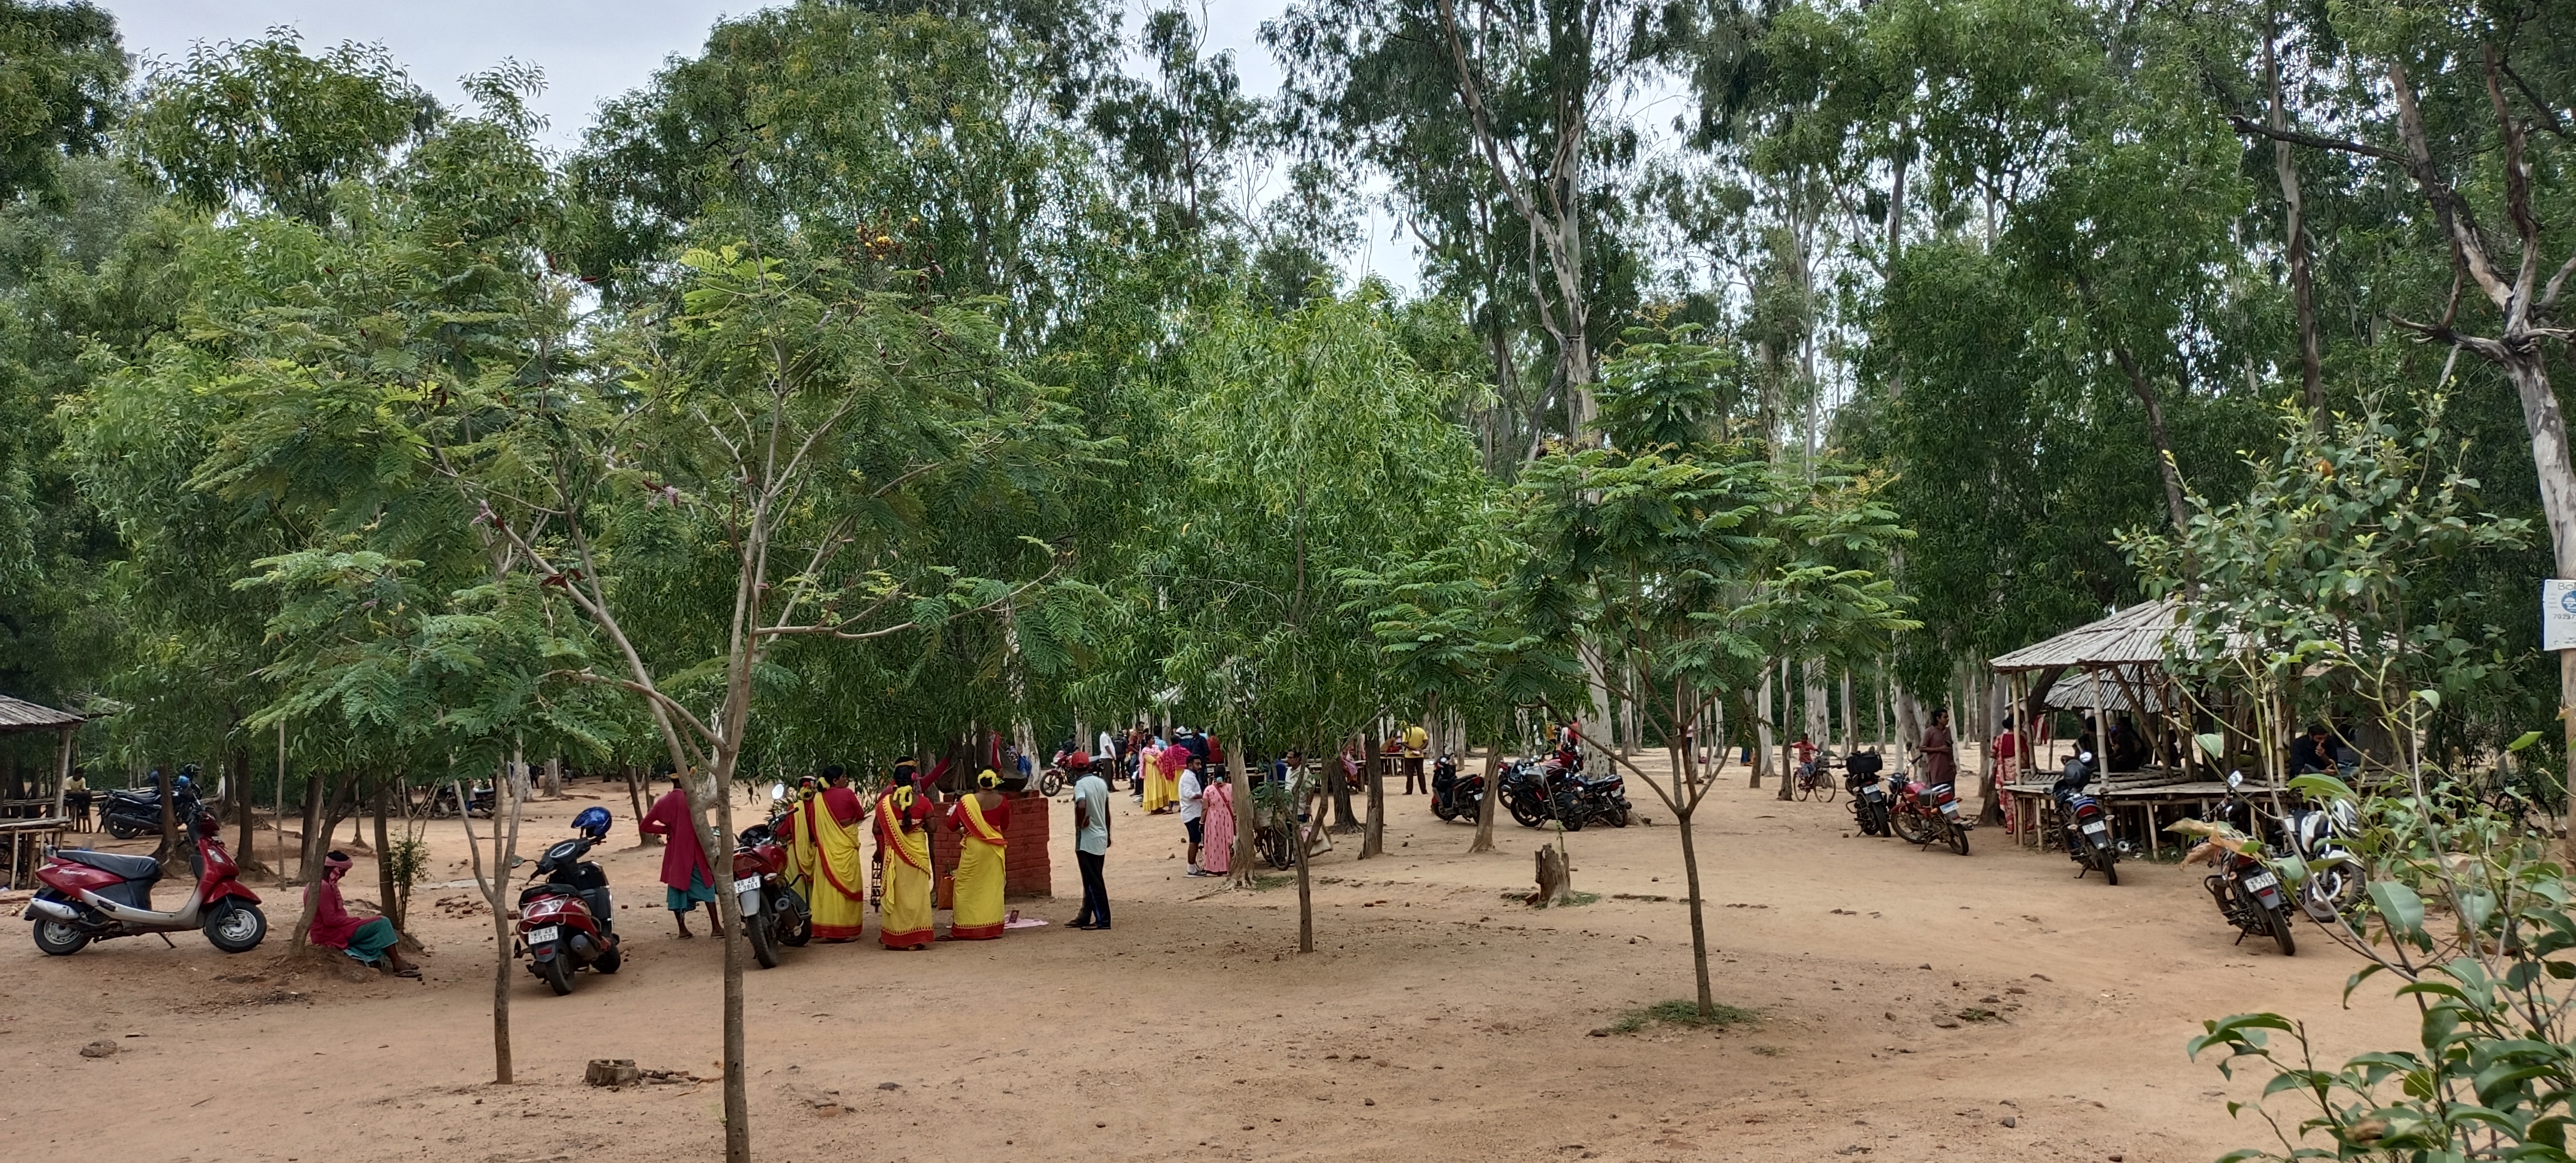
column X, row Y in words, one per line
column 128, row 867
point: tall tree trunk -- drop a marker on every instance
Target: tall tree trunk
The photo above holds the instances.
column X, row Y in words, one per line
column 307, row 855
column 2312, row 380
column 1485, row 807
column 2166, row 470
column 1373, row 841
column 635, row 798
column 1683, row 810
column 241, row 803
column 1762, row 721
column 386, row 900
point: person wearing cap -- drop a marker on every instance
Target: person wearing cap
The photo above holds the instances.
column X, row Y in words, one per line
column 903, row 845
column 981, row 817
column 372, row 943
column 687, row 881
column 824, row 850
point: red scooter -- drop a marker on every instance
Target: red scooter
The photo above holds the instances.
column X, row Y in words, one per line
column 565, row 921
column 94, row 896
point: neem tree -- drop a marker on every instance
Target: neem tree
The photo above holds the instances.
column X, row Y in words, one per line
column 765, row 452
column 1677, row 561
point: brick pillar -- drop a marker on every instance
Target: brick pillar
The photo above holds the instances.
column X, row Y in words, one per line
column 1025, row 867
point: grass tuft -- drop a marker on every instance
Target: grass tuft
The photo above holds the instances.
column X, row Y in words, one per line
column 1680, row 1012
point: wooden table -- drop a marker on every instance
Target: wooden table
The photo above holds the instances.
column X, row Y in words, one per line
column 24, row 842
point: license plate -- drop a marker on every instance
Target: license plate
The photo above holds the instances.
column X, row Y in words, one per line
column 542, row 935
column 1950, row 809
column 2097, row 828
column 2261, row 881
column 746, row 884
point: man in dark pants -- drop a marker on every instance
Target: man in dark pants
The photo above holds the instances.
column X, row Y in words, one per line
column 1091, row 848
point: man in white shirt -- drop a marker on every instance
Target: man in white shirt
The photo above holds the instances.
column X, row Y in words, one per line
column 1091, row 849
column 1194, row 807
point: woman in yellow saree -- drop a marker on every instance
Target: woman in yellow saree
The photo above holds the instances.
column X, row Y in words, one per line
column 903, row 840
column 981, row 819
column 825, row 857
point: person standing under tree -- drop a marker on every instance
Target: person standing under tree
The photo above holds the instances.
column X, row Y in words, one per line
column 981, row 817
column 825, row 837
column 1091, row 849
column 1194, row 809
column 1940, row 761
column 687, row 881
column 1416, row 742
column 1216, row 856
column 903, row 839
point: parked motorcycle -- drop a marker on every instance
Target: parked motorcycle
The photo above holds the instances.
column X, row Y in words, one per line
column 1602, row 798
column 126, row 813
column 1869, row 795
column 1922, row 815
column 94, row 896
column 2335, row 884
column 1524, row 792
column 566, row 921
column 1454, row 795
column 2247, row 891
column 442, row 801
column 773, row 914
column 2088, row 826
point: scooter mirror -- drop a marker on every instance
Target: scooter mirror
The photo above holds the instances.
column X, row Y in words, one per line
column 2235, row 779
column 777, row 792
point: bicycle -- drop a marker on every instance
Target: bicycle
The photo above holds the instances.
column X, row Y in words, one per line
column 1815, row 778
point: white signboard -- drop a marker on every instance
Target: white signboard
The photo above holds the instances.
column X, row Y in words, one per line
column 2558, row 615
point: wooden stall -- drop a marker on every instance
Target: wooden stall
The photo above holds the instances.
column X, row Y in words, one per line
column 2113, row 667
column 35, row 824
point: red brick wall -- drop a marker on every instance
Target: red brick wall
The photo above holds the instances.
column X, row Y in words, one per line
column 1025, row 867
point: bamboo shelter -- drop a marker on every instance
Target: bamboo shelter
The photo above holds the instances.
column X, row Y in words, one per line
column 2115, row 666
column 30, row 825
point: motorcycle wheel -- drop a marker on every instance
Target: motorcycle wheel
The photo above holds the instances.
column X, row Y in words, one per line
column 2280, row 922
column 1958, row 836
column 1050, row 783
column 1909, row 828
column 120, row 831
column 238, row 928
column 2109, row 862
column 1619, row 818
column 764, row 947
column 1570, row 814
column 611, row 961
column 795, row 921
column 1441, row 808
column 1524, row 812
column 59, row 938
column 557, row 973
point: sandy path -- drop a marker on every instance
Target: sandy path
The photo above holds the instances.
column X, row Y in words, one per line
column 1436, row 1021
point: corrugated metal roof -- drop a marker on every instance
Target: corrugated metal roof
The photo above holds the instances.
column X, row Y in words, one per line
column 21, row 715
column 2137, row 634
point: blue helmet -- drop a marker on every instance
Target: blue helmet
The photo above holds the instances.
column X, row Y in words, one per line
column 592, row 822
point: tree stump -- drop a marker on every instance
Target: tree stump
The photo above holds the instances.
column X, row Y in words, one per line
column 612, row 1072
column 1551, row 876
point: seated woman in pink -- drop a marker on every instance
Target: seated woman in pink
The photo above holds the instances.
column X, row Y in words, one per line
column 372, row 943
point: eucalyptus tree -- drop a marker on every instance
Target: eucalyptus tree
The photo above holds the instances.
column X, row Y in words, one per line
column 1503, row 134
column 1680, row 562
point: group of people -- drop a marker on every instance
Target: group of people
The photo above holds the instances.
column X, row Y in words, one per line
column 822, row 828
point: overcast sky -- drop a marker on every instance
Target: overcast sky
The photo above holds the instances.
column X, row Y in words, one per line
column 591, row 50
